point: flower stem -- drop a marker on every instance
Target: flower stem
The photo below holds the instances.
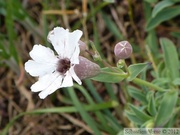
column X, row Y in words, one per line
column 148, row 84
column 126, row 67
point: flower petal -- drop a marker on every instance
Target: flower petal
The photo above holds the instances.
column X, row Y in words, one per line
column 47, row 84
column 38, row 69
column 59, row 39
column 75, row 56
column 44, row 61
column 44, row 82
column 42, row 54
column 75, row 77
column 67, row 82
column 73, row 44
column 52, row 88
column 65, row 43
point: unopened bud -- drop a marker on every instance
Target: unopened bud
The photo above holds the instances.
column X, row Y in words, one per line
column 97, row 56
column 120, row 63
column 86, row 68
column 149, row 124
column 82, row 46
column 123, row 50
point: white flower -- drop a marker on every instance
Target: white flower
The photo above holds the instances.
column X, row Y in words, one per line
column 55, row 71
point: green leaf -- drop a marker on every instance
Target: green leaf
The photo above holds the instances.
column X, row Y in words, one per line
column 136, row 69
column 139, row 113
column 86, row 117
column 175, row 34
column 3, row 53
column 166, row 108
column 101, row 118
column 120, row 132
column 111, row 119
column 176, row 81
column 171, row 58
column 160, row 6
column 162, row 16
column 151, row 104
column 172, row 121
column 175, row 0
column 137, row 94
column 161, row 81
column 152, row 42
column 109, row 76
column 151, row 1
column 148, row 124
column 161, row 70
column 112, row 26
column 132, row 117
column 10, row 30
column 18, row 12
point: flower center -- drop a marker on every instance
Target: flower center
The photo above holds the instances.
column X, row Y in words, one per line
column 63, row 65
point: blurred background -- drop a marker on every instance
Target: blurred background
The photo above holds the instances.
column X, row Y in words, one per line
column 24, row 23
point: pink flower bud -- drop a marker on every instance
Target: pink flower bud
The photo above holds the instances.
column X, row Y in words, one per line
column 86, row 68
column 123, row 50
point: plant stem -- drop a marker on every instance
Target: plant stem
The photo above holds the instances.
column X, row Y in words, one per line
column 126, row 67
column 151, row 58
column 148, row 84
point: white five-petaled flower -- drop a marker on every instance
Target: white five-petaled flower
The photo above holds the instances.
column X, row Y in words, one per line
column 55, row 70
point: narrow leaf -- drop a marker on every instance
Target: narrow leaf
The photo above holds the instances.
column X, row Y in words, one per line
column 151, row 1
column 3, row 53
column 175, row 34
column 161, row 81
column 176, row 81
column 111, row 119
column 107, row 75
column 10, row 30
column 136, row 69
column 139, row 113
column 151, row 104
column 171, row 58
column 162, row 16
column 112, row 26
column 152, row 42
column 137, row 94
column 132, row 117
column 86, row 117
column 160, row 6
column 175, row 0
column 166, row 108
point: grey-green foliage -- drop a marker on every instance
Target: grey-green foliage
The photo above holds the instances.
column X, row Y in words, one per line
column 163, row 10
column 159, row 107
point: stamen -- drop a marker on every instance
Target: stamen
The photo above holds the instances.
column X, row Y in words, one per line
column 63, row 65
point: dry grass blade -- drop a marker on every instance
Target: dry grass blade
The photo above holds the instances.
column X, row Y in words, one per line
column 77, row 122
